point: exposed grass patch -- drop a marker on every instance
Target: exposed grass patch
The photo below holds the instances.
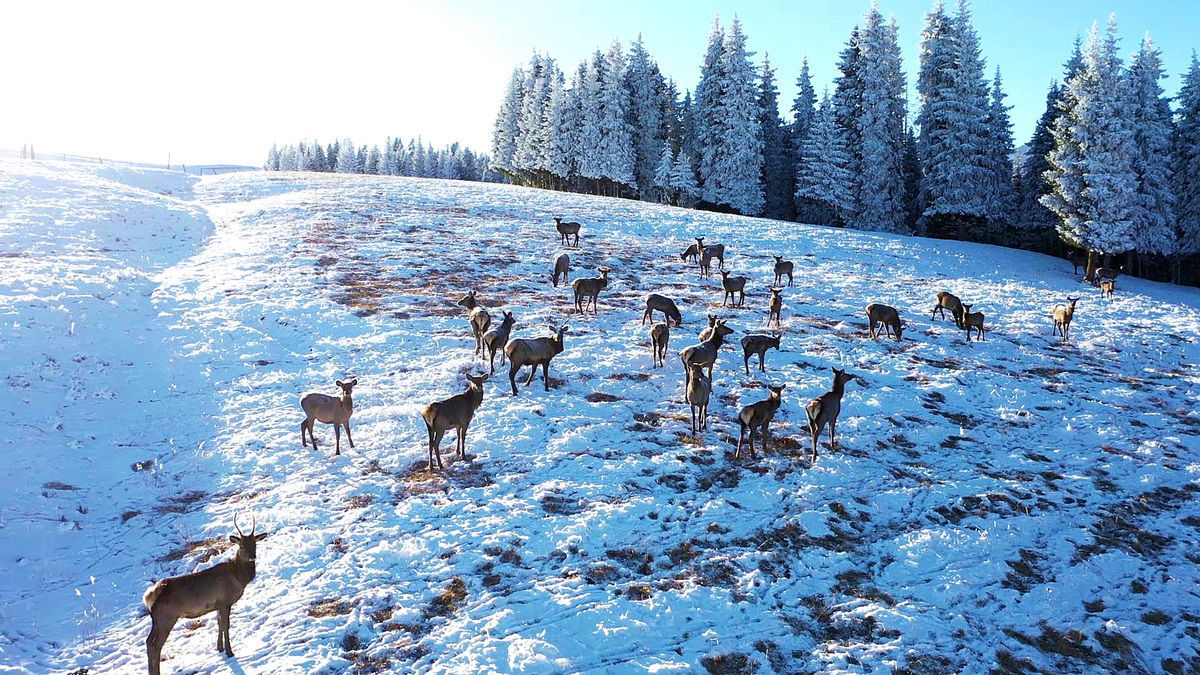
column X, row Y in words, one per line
column 330, row 607
column 448, row 601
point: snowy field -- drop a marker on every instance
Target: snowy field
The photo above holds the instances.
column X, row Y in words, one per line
column 1013, row 505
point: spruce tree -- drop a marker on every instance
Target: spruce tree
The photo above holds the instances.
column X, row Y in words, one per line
column 880, row 198
column 1092, row 175
column 271, row 165
column 737, row 159
column 1154, row 213
column 347, row 157
column 1001, row 193
column 616, row 149
column 778, row 179
column 804, row 109
column 644, row 86
column 709, row 93
column 824, row 185
column 506, row 129
column 683, row 181
column 1037, row 221
column 591, row 164
column 1187, row 165
column 662, row 175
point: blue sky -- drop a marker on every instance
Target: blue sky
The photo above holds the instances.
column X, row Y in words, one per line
column 219, row 81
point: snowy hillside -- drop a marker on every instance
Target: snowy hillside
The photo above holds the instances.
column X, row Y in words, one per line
column 1018, row 504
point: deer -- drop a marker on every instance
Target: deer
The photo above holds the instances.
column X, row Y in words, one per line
column 775, row 306
column 535, row 352
column 758, row 343
column 1107, row 287
column 1107, row 273
column 951, row 302
column 566, row 230
column 455, row 413
column 479, row 319
column 189, row 596
column 972, row 320
column 660, row 335
column 758, row 415
column 825, row 409
column 661, row 303
column 887, row 317
column 699, row 389
column 495, row 339
column 708, row 331
column 733, row 285
column 714, row 251
column 782, row 267
column 1062, row 317
column 706, row 352
column 705, row 265
column 335, row 410
column 589, row 289
column 1078, row 260
column 561, row 266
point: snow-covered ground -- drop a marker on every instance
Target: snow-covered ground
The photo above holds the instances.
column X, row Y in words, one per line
column 1018, row 504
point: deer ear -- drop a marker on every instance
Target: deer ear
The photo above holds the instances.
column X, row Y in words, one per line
column 338, row 383
column 353, row 382
column 260, row 536
column 233, row 538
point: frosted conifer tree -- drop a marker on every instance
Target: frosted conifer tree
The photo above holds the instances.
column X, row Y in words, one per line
column 590, row 161
column 662, row 174
column 881, row 128
column 272, row 159
column 1093, row 183
column 560, row 130
column 533, row 141
column 644, row 84
column 320, row 163
column 1154, row 214
column 1035, row 218
column 709, row 93
column 824, row 185
column 689, row 141
column 804, row 108
column 847, row 108
column 616, row 138
column 683, row 181
column 347, row 157
column 288, row 161
column 1002, row 194
column 506, row 129
column 953, row 144
column 374, row 159
column 737, row 159
column 1187, row 164
column 778, row 178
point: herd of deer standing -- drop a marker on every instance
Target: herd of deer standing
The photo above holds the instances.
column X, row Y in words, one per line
column 219, row 587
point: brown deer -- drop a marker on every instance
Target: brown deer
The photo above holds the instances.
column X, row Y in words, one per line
column 588, row 289
column 562, row 265
column 705, row 264
column 193, row 595
column 887, row 317
column 1107, row 273
column 825, row 410
column 758, row 344
column 660, row 335
column 707, row 331
column 775, row 306
column 706, row 352
column 455, row 413
column 661, row 303
column 948, row 301
column 758, row 415
column 495, row 339
column 1062, row 317
column 782, row 267
column 733, row 285
column 972, row 320
column 335, row 410
column 714, row 251
column 699, row 389
column 565, row 230
column 479, row 319
column 1107, row 287
column 1078, row 260
column 535, row 352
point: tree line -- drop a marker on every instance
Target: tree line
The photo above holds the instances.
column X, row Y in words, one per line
column 453, row 161
column 1111, row 169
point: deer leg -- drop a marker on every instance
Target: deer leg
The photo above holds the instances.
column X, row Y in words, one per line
column 159, row 630
column 762, row 362
column 337, row 438
column 741, row 436
column 303, row 440
column 532, row 373
column 348, row 434
column 437, row 451
column 223, row 629
column 546, row 375
column 432, row 444
column 832, row 440
column 512, row 375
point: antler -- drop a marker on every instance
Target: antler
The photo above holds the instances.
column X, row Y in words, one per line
column 253, row 524
column 235, row 525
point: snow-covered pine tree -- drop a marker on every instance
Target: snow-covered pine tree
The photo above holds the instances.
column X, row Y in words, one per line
column 881, row 128
column 616, row 138
column 506, row 129
column 1091, row 175
column 953, row 142
column 689, row 140
column 320, row 162
column 662, row 175
column 560, row 132
column 709, row 93
column 683, row 181
column 847, row 108
column 272, row 158
column 911, row 160
column 360, row 164
column 331, row 155
column 737, row 158
column 532, row 153
column 1187, row 168
column 1154, row 214
column 1038, row 222
column 288, row 160
column 804, row 108
column 644, row 86
column 591, row 164
column 672, row 121
column 778, row 177
column 824, row 185
column 998, row 160
column 374, row 159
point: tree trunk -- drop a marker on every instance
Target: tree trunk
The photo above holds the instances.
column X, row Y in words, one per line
column 1090, row 276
